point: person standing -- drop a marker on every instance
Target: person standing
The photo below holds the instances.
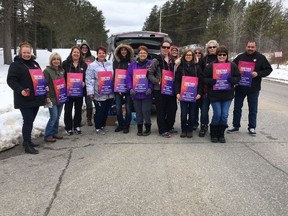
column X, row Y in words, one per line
column 166, row 105
column 123, row 54
column 52, row 73
column 102, row 100
column 204, row 102
column 261, row 68
column 74, row 64
column 174, row 52
column 188, row 68
column 25, row 99
column 142, row 101
column 220, row 92
column 88, row 58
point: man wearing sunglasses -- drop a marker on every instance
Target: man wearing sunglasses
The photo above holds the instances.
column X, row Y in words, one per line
column 166, row 105
column 260, row 67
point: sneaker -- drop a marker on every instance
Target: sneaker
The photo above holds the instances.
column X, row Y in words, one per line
column 69, row 132
column 183, row 134
column 233, row 130
column 104, row 129
column 173, row 131
column 252, row 131
column 195, row 127
column 100, row 131
column 77, row 130
column 126, row 130
column 166, row 135
column 118, row 129
column 49, row 139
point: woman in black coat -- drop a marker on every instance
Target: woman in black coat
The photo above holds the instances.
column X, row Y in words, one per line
column 19, row 79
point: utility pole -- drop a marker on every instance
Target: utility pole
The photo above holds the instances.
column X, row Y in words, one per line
column 160, row 19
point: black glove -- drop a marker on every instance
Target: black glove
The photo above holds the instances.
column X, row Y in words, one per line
column 132, row 92
column 149, row 91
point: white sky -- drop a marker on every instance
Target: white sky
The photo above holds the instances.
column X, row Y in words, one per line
column 11, row 119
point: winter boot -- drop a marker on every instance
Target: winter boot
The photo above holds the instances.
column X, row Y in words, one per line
column 203, row 130
column 89, row 117
column 221, row 133
column 147, row 130
column 140, row 130
column 214, row 133
column 30, row 149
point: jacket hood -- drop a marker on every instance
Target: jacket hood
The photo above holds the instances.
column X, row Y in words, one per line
column 130, row 54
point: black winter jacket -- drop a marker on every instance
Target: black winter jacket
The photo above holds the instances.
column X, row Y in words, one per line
column 18, row 78
column 221, row 95
column 188, row 69
column 262, row 67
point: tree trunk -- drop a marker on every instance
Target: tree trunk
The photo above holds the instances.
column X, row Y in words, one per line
column 8, row 9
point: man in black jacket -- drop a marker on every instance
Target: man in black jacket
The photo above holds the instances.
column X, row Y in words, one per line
column 259, row 67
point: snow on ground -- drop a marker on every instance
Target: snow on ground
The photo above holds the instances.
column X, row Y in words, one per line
column 11, row 119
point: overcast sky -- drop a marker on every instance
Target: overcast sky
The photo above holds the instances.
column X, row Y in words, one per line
column 130, row 15
column 125, row 15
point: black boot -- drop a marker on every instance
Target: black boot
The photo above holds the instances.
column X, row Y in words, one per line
column 214, row 133
column 89, row 113
column 221, row 132
column 203, row 130
column 140, row 130
column 147, row 130
column 30, row 149
column 31, row 143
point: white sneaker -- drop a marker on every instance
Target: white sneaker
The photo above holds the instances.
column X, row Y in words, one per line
column 100, row 131
column 77, row 130
column 252, row 131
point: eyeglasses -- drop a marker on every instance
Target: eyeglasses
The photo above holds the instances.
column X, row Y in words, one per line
column 188, row 55
column 165, row 47
column 198, row 53
column 212, row 47
column 222, row 54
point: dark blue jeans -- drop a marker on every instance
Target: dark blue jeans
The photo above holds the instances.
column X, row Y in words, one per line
column 203, row 104
column 143, row 111
column 101, row 114
column 187, row 109
column 29, row 115
column 220, row 112
column 252, row 99
column 119, row 99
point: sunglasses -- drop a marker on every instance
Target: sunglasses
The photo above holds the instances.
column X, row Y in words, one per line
column 222, row 54
column 197, row 53
column 165, row 47
column 212, row 47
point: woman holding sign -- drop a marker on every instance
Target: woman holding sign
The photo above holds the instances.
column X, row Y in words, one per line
column 99, row 86
column 141, row 90
column 75, row 68
column 221, row 77
column 56, row 97
column 188, row 89
column 28, row 91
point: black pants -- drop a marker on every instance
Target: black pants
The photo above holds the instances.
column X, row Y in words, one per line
column 29, row 115
column 166, row 107
column 69, row 122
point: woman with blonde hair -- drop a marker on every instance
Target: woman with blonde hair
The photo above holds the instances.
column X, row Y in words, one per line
column 53, row 72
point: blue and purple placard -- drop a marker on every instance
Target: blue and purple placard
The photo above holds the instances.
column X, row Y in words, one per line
column 221, row 72
column 189, row 86
column 105, row 82
column 167, row 84
column 120, row 81
column 39, row 82
column 246, row 69
column 140, row 81
column 60, row 90
column 74, row 84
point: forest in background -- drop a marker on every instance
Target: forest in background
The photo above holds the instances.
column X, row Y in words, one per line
column 229, row 22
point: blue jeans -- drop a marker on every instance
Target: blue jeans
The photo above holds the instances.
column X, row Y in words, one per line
column 203, row 104
column 101, row 114
column 29, row 115
column 220, row 112
column 187, row 108
column 252, row 99
column 88, row 102
column 119, row 99
column 52, row 126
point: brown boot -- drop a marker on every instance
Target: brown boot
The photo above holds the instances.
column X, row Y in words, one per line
column 89, row 117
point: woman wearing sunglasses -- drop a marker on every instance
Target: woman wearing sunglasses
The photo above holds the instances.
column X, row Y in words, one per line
column 221, row 77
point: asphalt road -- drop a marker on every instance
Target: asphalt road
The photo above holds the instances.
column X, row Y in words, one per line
column 122, row 174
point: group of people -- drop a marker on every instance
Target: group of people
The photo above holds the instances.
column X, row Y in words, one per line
column 194, row 79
